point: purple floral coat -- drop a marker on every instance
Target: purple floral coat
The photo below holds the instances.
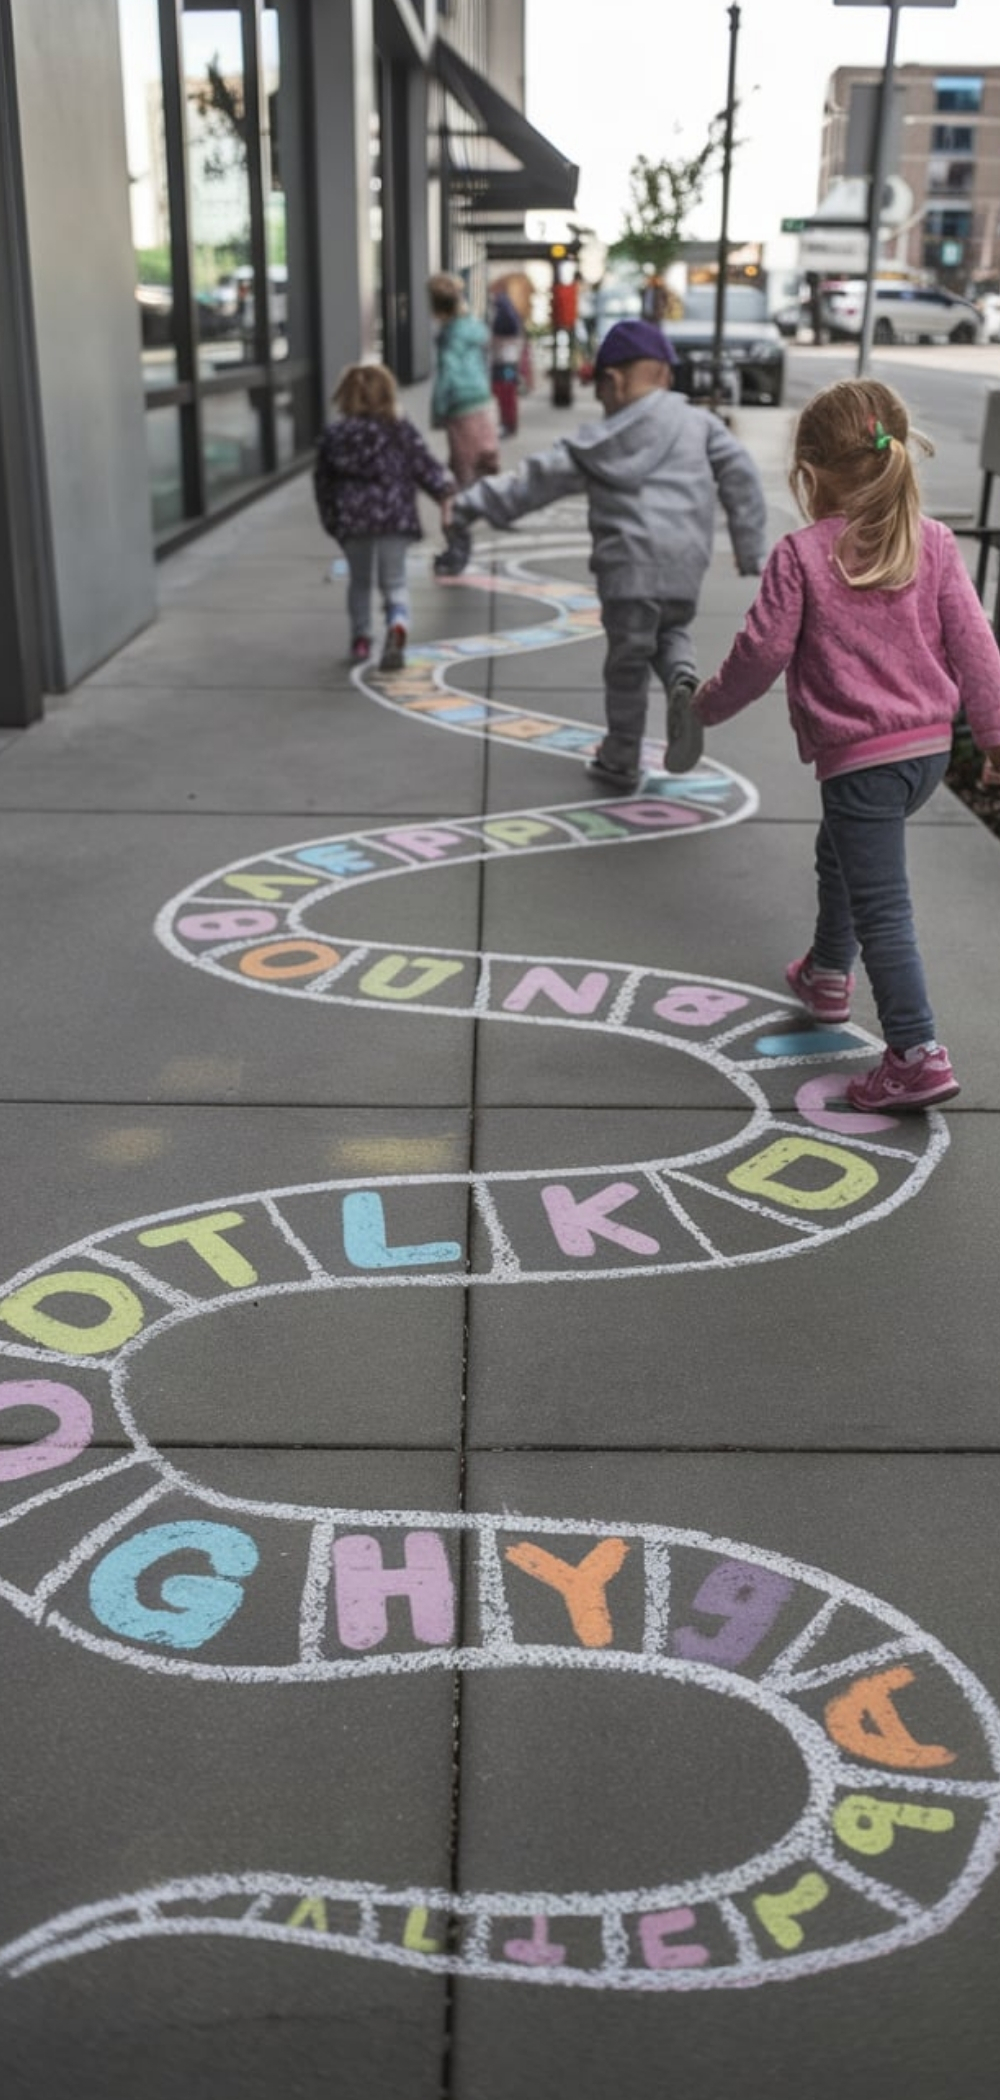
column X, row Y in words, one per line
column 368, row 470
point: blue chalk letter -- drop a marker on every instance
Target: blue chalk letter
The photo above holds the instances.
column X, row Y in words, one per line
column 199, row 1605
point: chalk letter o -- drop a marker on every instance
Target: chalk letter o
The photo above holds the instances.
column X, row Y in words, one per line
column 71, row 1435
column 123, row 1318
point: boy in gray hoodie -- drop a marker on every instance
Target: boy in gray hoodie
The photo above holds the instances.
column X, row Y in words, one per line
column 650, row 473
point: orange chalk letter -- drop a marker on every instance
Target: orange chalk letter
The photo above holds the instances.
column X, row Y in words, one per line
column 865, row 1722
column 581, row 1587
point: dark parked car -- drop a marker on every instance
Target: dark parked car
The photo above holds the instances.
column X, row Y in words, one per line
column 753, row 354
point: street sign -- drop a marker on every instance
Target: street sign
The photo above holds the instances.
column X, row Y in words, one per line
column 834, row 254
column 793, row 225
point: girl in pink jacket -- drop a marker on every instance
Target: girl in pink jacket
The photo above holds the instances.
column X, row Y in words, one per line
column 870, row 613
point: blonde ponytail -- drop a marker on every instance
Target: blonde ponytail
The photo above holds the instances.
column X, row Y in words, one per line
column 852, row 460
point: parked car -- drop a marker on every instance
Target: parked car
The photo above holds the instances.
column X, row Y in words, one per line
column 277, row 281
column 753, row 353
column 920, row 312
column 989, row 307
column 614, row 300
column 788, row 319
column 156, row 316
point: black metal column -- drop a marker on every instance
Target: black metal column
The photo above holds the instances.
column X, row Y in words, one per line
column 263, row 345
column 185, row 318
column 23, row 545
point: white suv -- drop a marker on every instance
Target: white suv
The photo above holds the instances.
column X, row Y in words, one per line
column 902, row 311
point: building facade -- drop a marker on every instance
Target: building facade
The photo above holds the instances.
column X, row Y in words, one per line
column 207, row 208
column 945, row 132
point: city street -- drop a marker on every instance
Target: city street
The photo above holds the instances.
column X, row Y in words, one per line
column 944, row 386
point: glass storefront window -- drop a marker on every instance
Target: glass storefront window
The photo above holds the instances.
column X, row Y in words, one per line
column 375, row 205
column 295, row 420
column 166, row 475
column 218, row 186
column 275, row 220
column 231, row 443
column 142, row 89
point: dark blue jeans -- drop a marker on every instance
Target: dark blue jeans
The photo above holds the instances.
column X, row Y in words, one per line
column 864, row 895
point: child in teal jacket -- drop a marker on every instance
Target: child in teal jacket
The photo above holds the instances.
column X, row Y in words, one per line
column 462, row 399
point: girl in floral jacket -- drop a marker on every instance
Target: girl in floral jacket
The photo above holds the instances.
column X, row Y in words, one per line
column 369, row 464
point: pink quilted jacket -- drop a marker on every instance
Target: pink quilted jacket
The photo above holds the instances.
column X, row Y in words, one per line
column 871, row 675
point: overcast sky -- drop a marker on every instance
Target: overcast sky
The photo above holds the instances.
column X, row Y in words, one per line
column 608, row 79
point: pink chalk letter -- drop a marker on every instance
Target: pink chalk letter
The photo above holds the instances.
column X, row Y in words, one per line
column 658, row 816
column 699, row 1005
column 363, row 1583
column 578, row 1224
column 428, row 842
column 812, row 1098
column 226, row 925
column 579, row 998
column 538, row 1952
column 71, row 1435
column 654, row 1930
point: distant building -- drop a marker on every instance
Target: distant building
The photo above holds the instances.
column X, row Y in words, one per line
column 946, row 136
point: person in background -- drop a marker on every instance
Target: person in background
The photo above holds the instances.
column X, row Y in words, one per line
column 505, row 357
column 650, row 473
column 461, row 399
column 370, row 462
column 870, row 613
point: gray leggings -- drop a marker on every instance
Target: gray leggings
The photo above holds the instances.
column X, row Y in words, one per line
column 377, row 562
column 644, row 634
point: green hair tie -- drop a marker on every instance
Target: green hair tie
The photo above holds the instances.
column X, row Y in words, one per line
column 882, row 438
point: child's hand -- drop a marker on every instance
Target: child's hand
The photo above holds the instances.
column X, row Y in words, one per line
column 991, row 768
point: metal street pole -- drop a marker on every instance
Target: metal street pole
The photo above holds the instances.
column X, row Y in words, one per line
column 727, row 159
column 881, row 159
column 880, row 171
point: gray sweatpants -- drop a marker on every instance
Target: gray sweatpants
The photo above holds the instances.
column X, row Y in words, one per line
column 644, row 634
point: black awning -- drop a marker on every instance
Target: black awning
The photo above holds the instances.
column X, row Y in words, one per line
column 544, row 178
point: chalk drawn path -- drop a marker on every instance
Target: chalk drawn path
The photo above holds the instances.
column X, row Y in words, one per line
column 899, row 1744
column 897, row 1819
column 269, row 924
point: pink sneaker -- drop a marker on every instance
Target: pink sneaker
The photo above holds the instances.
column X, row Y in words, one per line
column 901, row 1082
column 826, row 993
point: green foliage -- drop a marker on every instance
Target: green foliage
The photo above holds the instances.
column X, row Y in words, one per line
column 661, row 193
column 153, row 265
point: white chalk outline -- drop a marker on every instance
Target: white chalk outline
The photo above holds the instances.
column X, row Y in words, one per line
column 101, row 1924
column 727, row 1892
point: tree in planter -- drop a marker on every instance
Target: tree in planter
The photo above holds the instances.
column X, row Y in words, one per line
column 661, row 194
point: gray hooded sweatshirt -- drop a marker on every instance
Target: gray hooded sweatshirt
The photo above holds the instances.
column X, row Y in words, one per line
column 650, row 474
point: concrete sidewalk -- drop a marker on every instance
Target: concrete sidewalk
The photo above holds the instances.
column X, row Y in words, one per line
column 498, row 1516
